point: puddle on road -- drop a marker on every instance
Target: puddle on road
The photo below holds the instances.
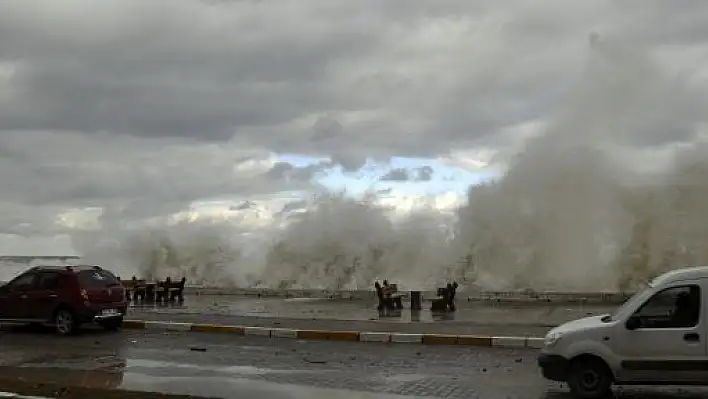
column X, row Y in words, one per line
column 172, row 366
column 227, row 387
column 237, row 388
column 165, row 368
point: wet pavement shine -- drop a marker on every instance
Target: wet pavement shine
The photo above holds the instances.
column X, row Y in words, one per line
column 540, row 313
column 214, row 365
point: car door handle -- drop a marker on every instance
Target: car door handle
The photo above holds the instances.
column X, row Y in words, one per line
column 692, row 337
column 23, row 296
column 53, row 295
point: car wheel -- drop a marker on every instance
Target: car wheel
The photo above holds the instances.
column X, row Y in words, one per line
column 590, row 378
column 113, row 324
column 64, row 322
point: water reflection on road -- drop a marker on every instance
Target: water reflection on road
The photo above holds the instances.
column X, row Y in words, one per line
column 239, row 367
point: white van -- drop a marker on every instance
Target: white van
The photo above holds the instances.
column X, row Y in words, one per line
column 658, row 337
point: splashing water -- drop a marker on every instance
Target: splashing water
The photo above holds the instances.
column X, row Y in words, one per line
column 338, row 243
column 13, row 266
column 207, row 253
column 570, row 213
column 347, row 244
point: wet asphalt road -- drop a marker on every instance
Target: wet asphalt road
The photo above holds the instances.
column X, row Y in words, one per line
column 240, row 367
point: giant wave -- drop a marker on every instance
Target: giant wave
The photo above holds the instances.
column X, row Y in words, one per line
column 571, row 212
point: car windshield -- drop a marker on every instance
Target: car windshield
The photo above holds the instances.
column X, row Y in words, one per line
column 630, row 302
column 97, row 279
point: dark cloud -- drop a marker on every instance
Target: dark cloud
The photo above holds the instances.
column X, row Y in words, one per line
column 130, row 178
column 242, row 206
column 423, row 173
column 287, row 171
column 209, row 71
column 144, row 107
column 398, row 174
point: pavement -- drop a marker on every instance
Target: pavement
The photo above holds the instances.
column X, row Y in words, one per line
column 539, row 313
column 230, row 367
column 471, row 318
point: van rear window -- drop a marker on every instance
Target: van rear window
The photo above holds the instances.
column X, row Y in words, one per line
column 97, row 279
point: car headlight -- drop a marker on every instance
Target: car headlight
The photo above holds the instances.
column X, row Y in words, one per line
column 552, row 338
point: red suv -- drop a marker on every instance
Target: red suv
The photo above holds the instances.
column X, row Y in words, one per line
column 65, row 297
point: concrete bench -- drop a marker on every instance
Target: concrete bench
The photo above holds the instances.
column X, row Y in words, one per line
column 169, row 290
column 138, row 289
column 389, row 297
column 160, row 291
column 446, row 298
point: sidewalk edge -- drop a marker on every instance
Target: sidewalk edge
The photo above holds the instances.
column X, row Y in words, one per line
column 351, row 336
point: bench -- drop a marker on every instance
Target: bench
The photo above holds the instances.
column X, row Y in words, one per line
column 140, row 289
column 388, row 295
column 170, row 290
column 446, row 298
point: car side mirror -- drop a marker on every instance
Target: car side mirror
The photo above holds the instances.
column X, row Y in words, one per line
column 633, row 323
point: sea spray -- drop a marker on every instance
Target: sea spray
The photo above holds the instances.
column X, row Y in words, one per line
column 344, row 244
column 213, row 253
column 11, row 268
column 571, row 212
column 338, row 243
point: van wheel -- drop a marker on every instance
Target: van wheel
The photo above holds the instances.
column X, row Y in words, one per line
column 64, row 322
column 590, row 378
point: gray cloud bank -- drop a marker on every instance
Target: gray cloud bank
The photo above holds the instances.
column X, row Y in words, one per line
column 144, row 107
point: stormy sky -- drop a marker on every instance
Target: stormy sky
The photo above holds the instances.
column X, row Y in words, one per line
column 133, row 109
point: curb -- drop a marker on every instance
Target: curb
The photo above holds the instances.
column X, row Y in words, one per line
column 12, row 395
column 349, row 336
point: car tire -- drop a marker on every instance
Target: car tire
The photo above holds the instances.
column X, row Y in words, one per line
column 590, row 378
column 64, row 321
column 113, row 324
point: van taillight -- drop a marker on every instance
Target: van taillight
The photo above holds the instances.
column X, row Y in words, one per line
column 84, row 294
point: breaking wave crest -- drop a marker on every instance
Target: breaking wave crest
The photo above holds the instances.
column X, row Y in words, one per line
column 337, row 243
column 572, row 212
